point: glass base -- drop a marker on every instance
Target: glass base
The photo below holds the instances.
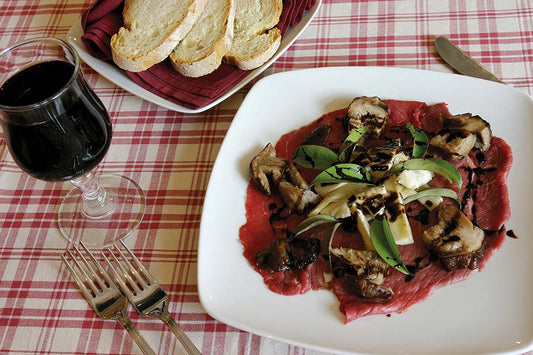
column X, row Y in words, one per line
column 128, row 205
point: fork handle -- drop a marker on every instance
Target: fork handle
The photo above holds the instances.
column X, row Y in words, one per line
column 180, row 334
column 123, row 319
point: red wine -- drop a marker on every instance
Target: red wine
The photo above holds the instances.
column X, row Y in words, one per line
column 63, row 136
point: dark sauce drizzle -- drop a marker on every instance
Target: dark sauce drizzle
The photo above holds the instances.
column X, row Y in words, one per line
column 473, row 183
column 511, row 234
column 417, row 266
column 277, row 215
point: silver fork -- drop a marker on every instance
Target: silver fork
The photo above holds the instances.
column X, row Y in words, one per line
column 144, row 292
column 102, row 293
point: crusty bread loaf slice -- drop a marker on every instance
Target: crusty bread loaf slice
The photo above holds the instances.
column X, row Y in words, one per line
column 202, row 50
column 255, row 39
column 151, row 30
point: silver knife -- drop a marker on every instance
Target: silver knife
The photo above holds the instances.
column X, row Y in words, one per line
column 461, row 61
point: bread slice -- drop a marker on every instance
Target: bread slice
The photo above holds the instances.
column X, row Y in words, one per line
column 202, row 50
column 255, row 39
column 152, row 29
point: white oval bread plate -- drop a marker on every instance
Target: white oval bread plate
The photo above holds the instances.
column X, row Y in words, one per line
column 118, row 77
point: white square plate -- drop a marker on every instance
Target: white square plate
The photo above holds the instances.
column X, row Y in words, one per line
column 491, row 312
column 118, row 77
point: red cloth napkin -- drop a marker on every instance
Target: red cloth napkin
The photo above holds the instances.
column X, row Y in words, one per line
column 104, row 18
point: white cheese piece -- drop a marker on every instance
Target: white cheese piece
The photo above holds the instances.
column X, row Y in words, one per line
column 337, row 209
column 401, row 230
column 364, row 228
column 324, row 189
column 391, row 184
column 399, row 223
column 431, row 202
column 396, row 159
column 414, row 179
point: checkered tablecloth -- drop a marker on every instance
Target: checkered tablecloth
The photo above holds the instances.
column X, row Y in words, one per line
column 171, row 155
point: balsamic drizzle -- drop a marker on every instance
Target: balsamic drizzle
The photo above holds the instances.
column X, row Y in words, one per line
column 417, row 266
column 511, row 234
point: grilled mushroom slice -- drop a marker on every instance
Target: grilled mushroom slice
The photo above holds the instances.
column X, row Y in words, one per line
column 267, row 169
column 475, row 125
column 462, row 133
column 288, row 254
column 455, row 144
column 378, row 158
column 455, row 240
column 272, row 174
column 369, row 273
column 346, row 197
column 297, row 198
column 369, row 112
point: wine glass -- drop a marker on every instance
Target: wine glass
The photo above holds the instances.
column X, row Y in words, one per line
column 57, row 129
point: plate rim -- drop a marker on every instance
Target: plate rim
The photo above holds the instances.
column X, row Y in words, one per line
column 120, row 79
column 206, row 303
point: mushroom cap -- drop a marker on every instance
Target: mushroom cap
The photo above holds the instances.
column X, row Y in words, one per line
column 369, row 275
column 369, row 112
column 455, row 239
column 455, row 143
column 266, row 164
column 461, row 134
column 272, row 174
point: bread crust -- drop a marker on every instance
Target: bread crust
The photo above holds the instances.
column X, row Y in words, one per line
column 262, row 36
column 159, row 51
column 207, row 61
column 255, row 60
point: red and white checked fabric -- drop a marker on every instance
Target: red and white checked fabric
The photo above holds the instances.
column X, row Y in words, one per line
column 171, row 155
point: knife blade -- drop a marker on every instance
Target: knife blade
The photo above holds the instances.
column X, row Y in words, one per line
column 462, row 62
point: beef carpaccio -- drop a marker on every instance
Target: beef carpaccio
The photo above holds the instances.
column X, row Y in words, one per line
column 482, row 197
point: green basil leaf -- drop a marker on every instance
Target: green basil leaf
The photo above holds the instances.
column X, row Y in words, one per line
column 315, row 157
column 385, row 246
column 313, row 222
column 345, row 172
column 456, row 175
column 433, row 191
column 420, row 139
column 350, row 142
column 354, row 136
column 435, row 165
column 346, row 153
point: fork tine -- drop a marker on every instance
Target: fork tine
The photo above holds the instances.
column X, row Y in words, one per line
column 83, row 271
column 145, row 282
column 140, row 266
column 89, row 269
column 98, row 266
column 77, row 277
column 123, row 278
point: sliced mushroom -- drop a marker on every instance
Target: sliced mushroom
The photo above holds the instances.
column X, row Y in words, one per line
column 288, row 254
column 462, row 133
column 377, row 158
column 369, row 112
column 297, row 198
column 455, row 240
column 369, row 273
column 454, row 143
column 475, row 125
column 346, row 197
column 272, row 174
column 267, row 169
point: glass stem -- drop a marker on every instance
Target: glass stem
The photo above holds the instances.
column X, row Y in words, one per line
column 97, row 203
